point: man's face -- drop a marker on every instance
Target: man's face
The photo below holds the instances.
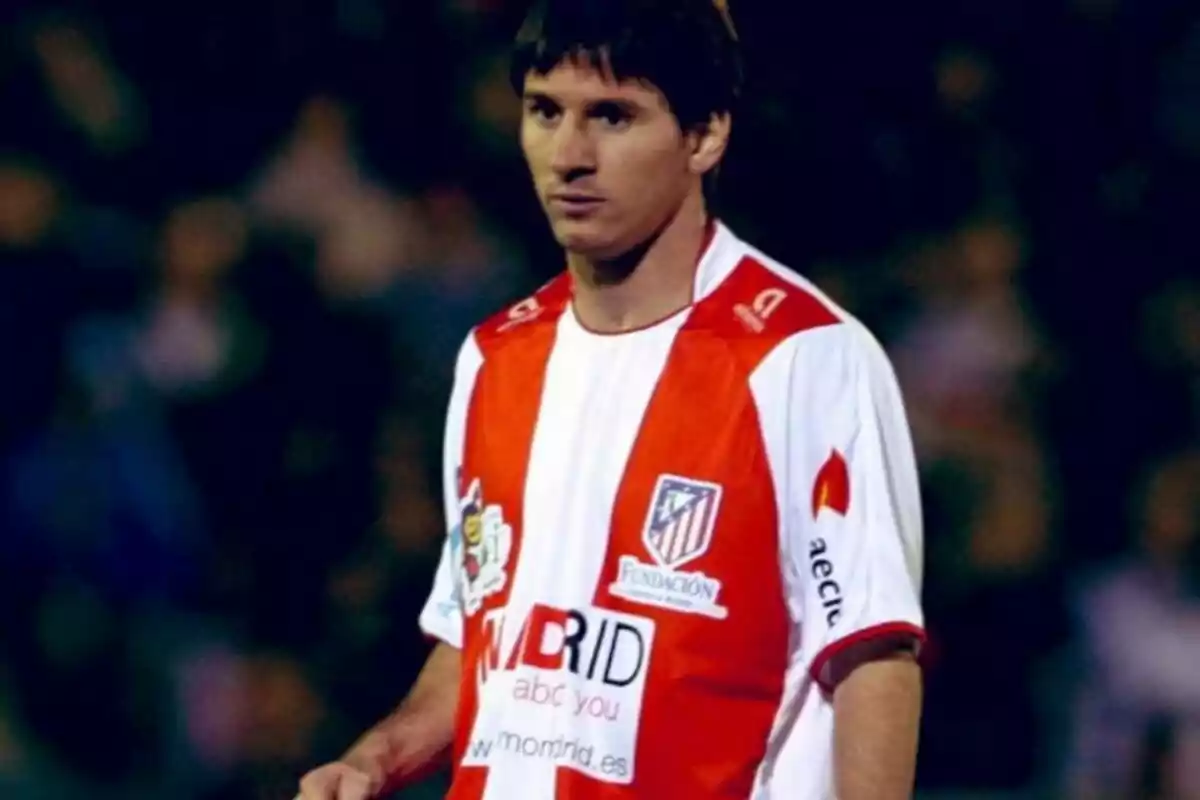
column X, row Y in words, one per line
column 609, row 161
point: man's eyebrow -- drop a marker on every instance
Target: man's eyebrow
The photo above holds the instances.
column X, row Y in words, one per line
column 621, row 103
column 615, row 98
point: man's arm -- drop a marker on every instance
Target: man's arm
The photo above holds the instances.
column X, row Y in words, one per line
column 856, row 549
column 415, row 738
column 877, row 714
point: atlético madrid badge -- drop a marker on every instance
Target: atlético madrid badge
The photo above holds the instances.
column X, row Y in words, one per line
column 678, row 529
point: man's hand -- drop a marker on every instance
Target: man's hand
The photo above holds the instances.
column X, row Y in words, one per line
column 338, row 781
column 359, row 775
column 412, row 740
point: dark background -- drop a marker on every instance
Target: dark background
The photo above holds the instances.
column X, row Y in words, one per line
column 240, row 243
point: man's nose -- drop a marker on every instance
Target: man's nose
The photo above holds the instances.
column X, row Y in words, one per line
column 573, row 150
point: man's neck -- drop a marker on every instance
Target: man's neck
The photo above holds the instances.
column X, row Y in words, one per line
column 646, row 286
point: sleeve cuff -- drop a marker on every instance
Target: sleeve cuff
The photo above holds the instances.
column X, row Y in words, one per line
column 886, row 630
column 435, row 626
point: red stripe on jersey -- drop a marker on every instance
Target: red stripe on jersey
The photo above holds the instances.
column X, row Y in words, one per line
column 501, row 418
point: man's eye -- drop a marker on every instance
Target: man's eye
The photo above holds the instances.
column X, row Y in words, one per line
column 542, row 111
column 612, row 116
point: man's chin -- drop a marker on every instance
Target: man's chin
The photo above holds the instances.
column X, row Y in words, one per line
column 584, row 239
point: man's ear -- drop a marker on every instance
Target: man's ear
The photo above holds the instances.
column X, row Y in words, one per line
column 709, row 143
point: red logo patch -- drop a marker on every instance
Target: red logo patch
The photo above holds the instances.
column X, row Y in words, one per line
column 831, row 489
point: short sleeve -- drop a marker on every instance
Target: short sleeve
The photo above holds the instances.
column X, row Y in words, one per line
column 441, row 617
column 853, row 527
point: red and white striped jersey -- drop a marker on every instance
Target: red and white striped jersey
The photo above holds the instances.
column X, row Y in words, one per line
column 660, row 537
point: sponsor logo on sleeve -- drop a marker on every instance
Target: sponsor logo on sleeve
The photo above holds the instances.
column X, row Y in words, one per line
column 831, row 493
column 831, row 488
column 829, row 592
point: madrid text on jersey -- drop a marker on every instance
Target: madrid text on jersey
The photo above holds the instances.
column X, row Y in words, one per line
column 559, row 750
column 566, row 686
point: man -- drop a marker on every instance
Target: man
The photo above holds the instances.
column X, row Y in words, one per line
column 691, row 560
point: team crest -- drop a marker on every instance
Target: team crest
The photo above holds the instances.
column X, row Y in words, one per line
column 482, row 547
column 678, row 529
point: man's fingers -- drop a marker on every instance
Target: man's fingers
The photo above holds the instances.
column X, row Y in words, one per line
column 335, row 782
column 354, row 785
column 320, row 784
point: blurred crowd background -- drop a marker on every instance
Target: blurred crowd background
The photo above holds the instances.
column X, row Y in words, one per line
column 240, row 243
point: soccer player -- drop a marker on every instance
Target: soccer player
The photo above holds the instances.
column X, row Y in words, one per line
column 685, row 555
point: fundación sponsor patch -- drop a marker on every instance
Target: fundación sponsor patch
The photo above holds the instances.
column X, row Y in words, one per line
column 678, row 529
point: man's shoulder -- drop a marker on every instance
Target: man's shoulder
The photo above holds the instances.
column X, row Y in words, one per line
column 527, row 316
column 760, row 297
column 762, row 307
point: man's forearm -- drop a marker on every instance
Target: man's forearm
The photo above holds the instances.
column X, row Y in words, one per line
column 877, row 713
column 416, row 737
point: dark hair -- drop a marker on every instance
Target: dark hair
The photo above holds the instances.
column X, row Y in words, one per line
column 687, row 49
